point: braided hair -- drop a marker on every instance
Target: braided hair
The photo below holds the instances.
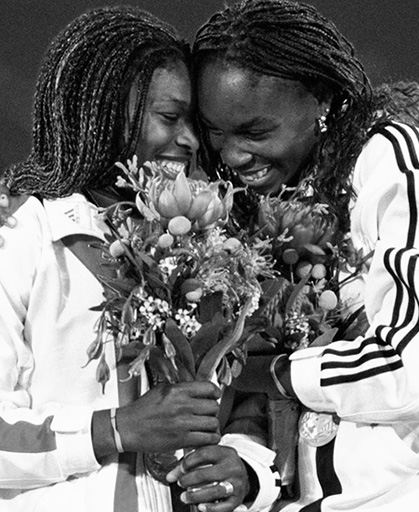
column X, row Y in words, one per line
column 291, row 40
column 80, row 122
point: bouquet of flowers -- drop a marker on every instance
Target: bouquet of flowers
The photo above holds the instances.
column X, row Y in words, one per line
column 316, row 263
column 185, row 296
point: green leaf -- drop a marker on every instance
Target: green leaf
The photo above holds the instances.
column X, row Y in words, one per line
column 224, row 372
column 161, row 366
column 207, row 336
column 181, row 344
column 209, row 306
column 296, row 293
column 213, row 357
column 270, row 289
column 325, row 338
column 314, row 249
column 119, row 286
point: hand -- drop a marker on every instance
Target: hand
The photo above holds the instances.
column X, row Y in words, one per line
column 170, row 417
column 8, row 206
column 207, row 474
column 4, row 204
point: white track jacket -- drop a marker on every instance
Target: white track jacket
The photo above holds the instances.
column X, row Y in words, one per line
column 47, row 394
column 372, row 383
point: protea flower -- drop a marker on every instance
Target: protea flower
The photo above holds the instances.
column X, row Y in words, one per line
column 306, row 230
column 203, row 203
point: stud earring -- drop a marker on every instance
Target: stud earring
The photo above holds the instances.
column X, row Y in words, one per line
column 321, row 122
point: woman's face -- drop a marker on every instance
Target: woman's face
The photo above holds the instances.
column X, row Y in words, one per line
column 167, row 135
column 263, row 127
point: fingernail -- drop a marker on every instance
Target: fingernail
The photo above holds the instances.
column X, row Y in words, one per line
column 171, row 477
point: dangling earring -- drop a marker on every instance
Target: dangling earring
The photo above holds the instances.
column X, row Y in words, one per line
column 321, row 122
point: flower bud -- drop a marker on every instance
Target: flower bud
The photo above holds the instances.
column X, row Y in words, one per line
column 303, row 269
column 167, row 205
column 328, row 300
column 194, row 295
column 318, row 271
column 116, row 249
column 199, row 205
column 179, row 225
column 138, row 365
column 190, row 285
column 103, row 372
column 165, row 241
column 192, row 289
column 149, row 337
column 290, row 256
column 232, row 245
column 182, row 193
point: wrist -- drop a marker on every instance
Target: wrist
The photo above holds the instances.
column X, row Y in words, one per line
column 280, row 370
column 103, row 438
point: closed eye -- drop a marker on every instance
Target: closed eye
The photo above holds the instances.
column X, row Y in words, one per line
column 171, row 117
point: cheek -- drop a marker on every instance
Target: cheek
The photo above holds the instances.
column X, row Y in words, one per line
column 153, row 138
column 215, row 141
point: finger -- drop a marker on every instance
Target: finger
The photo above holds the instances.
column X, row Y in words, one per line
column 195, row 439
column 175, row 473
column 222, row 506
column 204, row 423
column 210, row 493
column 201, row 389
column 210, row 463
column 204, row 407
column 205, row 455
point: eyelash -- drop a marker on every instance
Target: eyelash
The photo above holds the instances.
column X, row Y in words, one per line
column 213, row 132
column 255, row 135
column 171, row 117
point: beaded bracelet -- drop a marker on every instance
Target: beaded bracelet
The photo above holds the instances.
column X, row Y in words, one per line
column 116, row 435
column 278, row 384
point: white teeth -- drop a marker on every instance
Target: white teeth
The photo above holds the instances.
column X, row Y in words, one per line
column 262, row 173
column 255, row 176
column 172, row 168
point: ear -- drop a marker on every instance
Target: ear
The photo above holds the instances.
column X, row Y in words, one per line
column 325, row 105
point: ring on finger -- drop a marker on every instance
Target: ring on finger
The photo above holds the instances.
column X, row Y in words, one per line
column 228, row 486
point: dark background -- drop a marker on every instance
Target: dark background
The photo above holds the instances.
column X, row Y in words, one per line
column 384, row 32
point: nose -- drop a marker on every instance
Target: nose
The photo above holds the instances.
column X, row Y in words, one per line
column 234, row 155
column 187, row 138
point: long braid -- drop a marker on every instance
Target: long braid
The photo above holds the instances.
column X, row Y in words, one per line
column 81, row 94
column 294, row 41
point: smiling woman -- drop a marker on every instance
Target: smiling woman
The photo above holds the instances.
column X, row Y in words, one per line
column 114, row 83
column 331, row 166
column 261, row 126
column 167, row 134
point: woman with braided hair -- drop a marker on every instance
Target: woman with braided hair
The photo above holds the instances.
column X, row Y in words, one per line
column 114, row 83
column 284, row 101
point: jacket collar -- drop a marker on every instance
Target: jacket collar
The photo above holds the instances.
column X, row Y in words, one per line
column 73, row 215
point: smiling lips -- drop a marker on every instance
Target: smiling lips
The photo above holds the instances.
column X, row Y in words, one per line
column 172, row 168
column 253, row 176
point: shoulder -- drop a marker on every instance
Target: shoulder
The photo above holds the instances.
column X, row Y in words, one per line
column 23, row 223
column 391, row 151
